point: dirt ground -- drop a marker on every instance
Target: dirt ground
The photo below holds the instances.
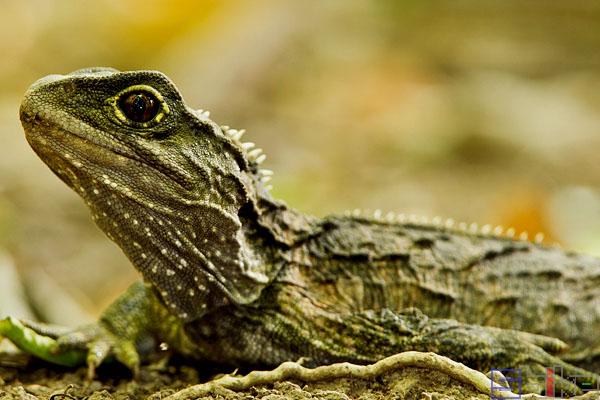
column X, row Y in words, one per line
column 23, row 378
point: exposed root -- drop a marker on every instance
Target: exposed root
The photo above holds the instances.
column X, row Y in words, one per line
column 294, row 371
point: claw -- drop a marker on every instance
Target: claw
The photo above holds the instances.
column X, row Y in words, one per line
column 98, row 351
column 91, row 371
column 126, row 354
column 135, row 371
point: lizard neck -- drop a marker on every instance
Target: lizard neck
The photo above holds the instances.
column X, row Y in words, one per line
column 198, row 255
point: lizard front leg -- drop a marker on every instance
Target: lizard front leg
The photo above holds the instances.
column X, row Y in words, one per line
column 126, row 327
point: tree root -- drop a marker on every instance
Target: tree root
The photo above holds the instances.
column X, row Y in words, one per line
column 294, row 371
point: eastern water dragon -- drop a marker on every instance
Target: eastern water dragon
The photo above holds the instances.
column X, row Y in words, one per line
column 234, row 276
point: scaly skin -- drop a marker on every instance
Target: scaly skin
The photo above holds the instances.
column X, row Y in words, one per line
column 233, row 276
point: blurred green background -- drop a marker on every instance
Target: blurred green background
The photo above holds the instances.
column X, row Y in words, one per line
column 485, row 111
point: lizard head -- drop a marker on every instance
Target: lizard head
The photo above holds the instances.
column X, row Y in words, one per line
column 163, row 181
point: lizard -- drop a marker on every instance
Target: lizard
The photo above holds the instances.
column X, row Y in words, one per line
column 234, row 276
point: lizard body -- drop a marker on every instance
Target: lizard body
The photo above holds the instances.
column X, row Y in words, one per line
column 234, row 276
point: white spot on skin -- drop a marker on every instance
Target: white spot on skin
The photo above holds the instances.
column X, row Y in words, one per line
column 154, row 269
column 164, row 251
column 144, row 255
column 177, row 243
column 183, row 262
column 136, row 244
column 170, row 272
column 96, row 191
column 191, row 293
column 126, row 215
column 135, row 221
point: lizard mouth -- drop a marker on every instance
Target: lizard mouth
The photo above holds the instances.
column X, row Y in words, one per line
column 63, row 150
column 39, row 124
column 97, row 153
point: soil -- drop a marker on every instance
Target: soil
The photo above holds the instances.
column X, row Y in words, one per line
column 24, row 378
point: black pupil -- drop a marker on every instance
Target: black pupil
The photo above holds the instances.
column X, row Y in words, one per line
column 139, row 106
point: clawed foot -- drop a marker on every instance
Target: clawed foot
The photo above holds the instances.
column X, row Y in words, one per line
column 532, row 355
column 541, row 369
column 91, row 344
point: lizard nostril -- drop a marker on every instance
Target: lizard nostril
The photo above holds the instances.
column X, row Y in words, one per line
column 68, row 88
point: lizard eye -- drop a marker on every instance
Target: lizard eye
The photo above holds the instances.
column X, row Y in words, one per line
column 139, row 106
